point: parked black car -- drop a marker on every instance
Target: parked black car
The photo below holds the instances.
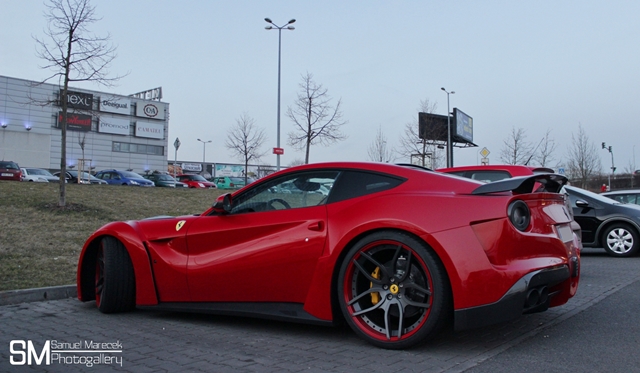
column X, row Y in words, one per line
column 605, row 222
column 87, row 178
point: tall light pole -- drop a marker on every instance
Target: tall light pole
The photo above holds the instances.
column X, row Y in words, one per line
column 287, row 27
column 449, row 145
column 204, row 144
column 613, row 167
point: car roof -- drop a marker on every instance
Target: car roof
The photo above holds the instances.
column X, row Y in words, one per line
column 514, row 170
column 626, row 191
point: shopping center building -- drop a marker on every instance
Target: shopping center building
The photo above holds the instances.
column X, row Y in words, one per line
column 104, row 130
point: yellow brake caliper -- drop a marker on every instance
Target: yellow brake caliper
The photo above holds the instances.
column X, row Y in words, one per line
column 375, row 297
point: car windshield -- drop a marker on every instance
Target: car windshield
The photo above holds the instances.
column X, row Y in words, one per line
column 165, row 178
column 131, row 175
column 237, row 180
column 38, row 171
column 195, row 178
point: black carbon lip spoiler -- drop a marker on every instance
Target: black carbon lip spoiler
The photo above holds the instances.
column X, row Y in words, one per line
column 551, row 183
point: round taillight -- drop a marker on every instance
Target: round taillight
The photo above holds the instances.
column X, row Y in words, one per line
column 519, row 215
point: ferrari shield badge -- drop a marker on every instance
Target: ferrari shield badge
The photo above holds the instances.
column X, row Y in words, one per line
column 180, row 224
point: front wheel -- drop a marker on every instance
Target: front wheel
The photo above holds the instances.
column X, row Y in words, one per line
column 115, row 282
column 393, row 290
column 621, row 240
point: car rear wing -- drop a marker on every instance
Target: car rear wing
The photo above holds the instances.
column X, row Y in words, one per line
column 551, row 183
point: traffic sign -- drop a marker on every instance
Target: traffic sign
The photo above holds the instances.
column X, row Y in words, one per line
column 485, row 152
column 176, row 143
column 278, row 151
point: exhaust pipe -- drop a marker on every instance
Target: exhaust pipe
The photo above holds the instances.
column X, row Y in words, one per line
column 536, row 297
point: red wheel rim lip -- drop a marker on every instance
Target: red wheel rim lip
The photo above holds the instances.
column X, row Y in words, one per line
column 362, row 325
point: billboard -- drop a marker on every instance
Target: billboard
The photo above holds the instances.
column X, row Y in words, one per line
column 116, row 105
column 432, row 126
column 76, row 122
column 464, row 125
column 114, row 126
column 150, row 130
column 79, row 100
column 152, row 110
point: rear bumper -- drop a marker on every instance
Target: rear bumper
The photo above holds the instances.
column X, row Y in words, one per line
column 532, row 293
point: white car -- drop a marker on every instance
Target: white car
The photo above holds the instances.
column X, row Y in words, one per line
column 38, row 175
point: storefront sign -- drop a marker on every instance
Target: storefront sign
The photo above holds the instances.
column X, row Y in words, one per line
column 114, row 126
column 115, row 105
column 150, row 109
column 79, row 100
column 150, row 130
column 76, row 122
column 193, row 167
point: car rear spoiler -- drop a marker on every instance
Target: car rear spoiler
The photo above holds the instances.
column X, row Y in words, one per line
column 551, row 183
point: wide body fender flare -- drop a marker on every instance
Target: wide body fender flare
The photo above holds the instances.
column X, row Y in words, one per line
column 133, row 242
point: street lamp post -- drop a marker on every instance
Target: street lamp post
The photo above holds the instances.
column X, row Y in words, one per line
column 204, row 144
column 287, row 27
column 449, row 145
column 613, row 167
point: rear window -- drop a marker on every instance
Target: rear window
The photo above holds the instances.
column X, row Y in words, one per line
column 9, row 165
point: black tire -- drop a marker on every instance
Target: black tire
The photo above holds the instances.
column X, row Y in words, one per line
column 620, row 240
column 393, row 291
column 115, row 281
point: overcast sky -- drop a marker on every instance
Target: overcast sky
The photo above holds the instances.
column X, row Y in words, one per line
column 535, row 65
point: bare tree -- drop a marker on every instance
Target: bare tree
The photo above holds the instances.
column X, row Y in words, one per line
column 516, row 150
column 546, row 147
column 411, row 145
column 378, row 150
column 583, row 160
column 74, row 56
column 316, row 120
column 245, row 140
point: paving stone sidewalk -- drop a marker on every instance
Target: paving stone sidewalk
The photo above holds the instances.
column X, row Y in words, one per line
column 179, row 342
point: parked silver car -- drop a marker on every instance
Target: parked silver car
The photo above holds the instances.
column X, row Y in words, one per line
column 38, row 175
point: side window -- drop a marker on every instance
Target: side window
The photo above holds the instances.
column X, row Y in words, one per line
column 352, row 184
column 298, row 190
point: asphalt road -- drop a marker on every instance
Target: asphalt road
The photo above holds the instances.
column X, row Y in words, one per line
column 597, row 331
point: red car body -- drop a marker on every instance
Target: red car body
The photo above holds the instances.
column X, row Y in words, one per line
column 196, row 181
column 494, row 172
column 396, row 251
column 10, row 171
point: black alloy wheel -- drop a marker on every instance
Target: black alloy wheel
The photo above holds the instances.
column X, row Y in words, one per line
column 393, row 290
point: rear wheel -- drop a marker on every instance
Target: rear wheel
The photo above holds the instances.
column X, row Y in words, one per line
column 621, row 240
column 393, row 291
column 115, row 281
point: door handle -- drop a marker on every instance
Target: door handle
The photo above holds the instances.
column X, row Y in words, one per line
column 317, row 226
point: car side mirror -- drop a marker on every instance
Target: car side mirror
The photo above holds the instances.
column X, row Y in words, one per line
column 582, row 204
column 223, row 203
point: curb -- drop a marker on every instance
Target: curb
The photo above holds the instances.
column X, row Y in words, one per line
column 11, row 297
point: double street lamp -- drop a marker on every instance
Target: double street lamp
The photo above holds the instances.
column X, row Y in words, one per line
column 279, row 28
column 204, row 144
column 449, row 145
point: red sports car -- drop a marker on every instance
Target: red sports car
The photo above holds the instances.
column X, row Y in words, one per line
column 396, row 251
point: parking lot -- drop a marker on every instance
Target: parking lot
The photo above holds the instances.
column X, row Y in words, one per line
column 146, row 341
